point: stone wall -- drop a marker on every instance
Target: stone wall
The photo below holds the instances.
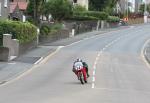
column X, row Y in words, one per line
column 4, row 54
column 16, row 48
column 27, row 46
column 55, row 36
column 12, row 44
column 81, row 26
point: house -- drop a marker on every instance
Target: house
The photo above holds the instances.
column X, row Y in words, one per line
column 84, row 3
column 17, row 9
column 4, row 9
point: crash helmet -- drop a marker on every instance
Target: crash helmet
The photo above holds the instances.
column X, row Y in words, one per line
column 79, row 60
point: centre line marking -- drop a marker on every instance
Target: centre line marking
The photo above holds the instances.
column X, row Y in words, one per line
column 93, row 79
column 93, row 85
column 94, row 73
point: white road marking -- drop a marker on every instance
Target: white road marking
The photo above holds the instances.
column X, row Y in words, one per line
column 93, row 79
column 30, row 70
column 38, row 61
column 94, row 67
column 94, row 73
column 93, row 85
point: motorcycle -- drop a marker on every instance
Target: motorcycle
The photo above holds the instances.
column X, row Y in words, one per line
column 81, row 74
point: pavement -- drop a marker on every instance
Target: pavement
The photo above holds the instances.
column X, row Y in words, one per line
column 12, row 69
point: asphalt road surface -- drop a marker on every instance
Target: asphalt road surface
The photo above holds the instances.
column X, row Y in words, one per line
column 118, row 73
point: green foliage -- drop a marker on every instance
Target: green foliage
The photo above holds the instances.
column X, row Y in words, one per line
column 100, row 5
column 142, row 7
column 113, row 19
column 79, row 8
column 24, row 32
column 34, row 9
column 92, row 14
column 46, row 30
column 59, row 9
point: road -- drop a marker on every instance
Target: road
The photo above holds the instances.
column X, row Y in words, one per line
column 118, row 73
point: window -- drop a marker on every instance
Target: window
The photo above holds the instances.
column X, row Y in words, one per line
column 75, row 1
column 0, row 9
column 5, row 3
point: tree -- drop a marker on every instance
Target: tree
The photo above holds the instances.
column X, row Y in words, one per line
column 35, row 9
column 100, row 5
column 142, row 8
column 59, row 9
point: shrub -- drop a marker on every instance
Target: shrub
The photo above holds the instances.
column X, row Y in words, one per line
column 78, row 8
column 46, row 30
column 94, row 14
column 24, row 32
column 113, row 19
column 83, row 18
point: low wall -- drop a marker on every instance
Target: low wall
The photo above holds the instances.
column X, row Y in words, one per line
column 15, row 48
column 54, row 37
column 27, row 46
column 12, row 44
column 81, row 26
column 4, row 54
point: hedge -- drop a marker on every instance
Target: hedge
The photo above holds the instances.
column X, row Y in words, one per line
column 24, row 32
column 82, row 18
column 47, row 30
column 94, row 14
column 113, row 19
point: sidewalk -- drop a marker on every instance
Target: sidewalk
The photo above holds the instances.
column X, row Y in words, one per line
column 12, row 69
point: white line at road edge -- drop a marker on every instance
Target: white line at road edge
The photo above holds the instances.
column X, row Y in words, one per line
column 94, row 36
column 38, row 61
column 31, row 69
column 46, row 58
column 143, row 53
column 98, row 56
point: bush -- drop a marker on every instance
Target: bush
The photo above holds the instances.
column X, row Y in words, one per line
column 78, row 8
column 46, row 30
column 94, row 14
column 83, row 18
column 113, row 19
column 24, row 32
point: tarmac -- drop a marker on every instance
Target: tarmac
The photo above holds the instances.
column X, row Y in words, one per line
column 12, row 69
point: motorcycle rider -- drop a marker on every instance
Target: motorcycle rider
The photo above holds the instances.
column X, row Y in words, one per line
column 86, row 67
column 82, row 64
